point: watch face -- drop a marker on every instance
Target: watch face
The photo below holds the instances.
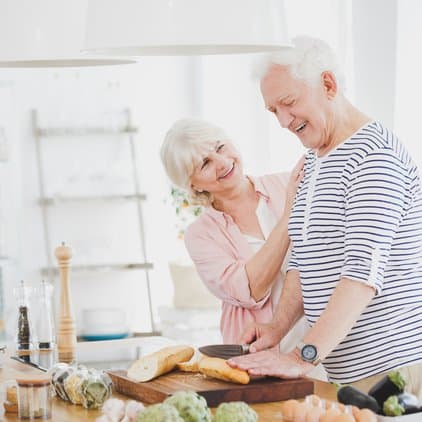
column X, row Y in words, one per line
column 309, row 352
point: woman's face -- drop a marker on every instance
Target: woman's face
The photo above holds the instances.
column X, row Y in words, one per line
column 219, row 170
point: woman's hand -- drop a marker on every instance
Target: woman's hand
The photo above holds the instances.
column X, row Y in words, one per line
column 272, row 363
column 261, row 336
column 296, row 177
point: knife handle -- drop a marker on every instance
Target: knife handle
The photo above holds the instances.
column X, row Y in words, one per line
column 245, row 349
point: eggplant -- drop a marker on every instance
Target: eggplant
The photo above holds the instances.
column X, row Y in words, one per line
column 391, row 385
column 409, row 402
column 352, row 396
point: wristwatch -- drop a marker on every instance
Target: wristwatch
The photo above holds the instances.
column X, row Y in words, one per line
column 308, row 353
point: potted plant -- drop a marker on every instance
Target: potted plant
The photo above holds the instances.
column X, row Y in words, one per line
column 189, row 290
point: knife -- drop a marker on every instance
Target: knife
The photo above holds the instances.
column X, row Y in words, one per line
column 225, row 351
column 28, row 362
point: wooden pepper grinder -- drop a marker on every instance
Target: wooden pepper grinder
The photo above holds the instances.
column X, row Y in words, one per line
column 66, row 332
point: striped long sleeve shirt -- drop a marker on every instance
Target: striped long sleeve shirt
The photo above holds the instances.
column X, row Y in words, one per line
column 358, row 215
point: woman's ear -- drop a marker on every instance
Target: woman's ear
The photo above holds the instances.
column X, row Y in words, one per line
column 196, row 190
column 329, row 82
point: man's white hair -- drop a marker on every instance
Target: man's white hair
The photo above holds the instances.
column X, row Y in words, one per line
column 184, row 146
column 307, row 59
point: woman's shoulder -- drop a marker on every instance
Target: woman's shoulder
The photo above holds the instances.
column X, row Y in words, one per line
column 204, row 226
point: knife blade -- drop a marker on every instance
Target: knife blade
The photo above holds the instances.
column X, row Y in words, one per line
column 224, row 351
column 28, row 362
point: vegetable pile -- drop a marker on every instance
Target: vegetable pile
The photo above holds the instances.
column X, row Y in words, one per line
column 182, row 406
column 387, row 397
column 188, row 406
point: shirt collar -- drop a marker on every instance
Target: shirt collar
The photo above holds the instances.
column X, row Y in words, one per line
column 226, row 219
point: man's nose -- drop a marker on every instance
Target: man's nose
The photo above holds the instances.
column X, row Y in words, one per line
column 284, row 118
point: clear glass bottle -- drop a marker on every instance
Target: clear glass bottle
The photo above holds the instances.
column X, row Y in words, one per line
column 46, row 335
column 24, row 335
column 34, row 398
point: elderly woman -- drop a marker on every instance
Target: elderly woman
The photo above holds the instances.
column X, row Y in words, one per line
column 356, row 231
column 240, row 241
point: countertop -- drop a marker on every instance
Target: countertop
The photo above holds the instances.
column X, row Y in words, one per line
column 64, row 411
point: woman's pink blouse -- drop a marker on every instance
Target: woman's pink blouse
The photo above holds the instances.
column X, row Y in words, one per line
column 220, row 251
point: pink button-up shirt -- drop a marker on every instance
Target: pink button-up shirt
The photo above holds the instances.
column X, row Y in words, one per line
column 220, row 252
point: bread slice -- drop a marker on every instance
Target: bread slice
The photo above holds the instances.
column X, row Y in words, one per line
column 158, row 363
column 218, row 368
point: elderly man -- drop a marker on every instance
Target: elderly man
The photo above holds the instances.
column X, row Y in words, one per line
column 356, row 231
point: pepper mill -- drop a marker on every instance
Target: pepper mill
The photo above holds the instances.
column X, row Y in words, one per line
column 66, row 332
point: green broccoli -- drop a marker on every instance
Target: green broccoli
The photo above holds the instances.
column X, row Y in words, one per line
column 160, row 412
column 191, row 406
column 392, row 407
column 237, row 411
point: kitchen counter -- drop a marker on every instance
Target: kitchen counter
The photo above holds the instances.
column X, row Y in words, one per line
column 63, row 411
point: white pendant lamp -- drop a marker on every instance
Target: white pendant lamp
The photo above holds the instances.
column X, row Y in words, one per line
column 46, row 33
column 184, row 27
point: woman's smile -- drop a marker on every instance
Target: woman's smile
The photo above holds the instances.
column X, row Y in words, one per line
column 227, row 173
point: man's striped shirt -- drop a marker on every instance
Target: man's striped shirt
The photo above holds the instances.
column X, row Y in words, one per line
column 358, row 214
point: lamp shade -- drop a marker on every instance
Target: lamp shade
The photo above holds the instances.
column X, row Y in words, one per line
column 45, row 33
column 184, row 27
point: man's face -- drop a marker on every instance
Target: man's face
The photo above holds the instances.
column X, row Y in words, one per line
column 299, row 107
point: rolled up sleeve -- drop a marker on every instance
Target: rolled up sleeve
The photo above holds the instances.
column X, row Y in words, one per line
column 292, row 264
column 376, row 201
column 223, row 274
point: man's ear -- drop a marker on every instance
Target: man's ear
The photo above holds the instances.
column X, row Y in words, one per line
column 329, row 82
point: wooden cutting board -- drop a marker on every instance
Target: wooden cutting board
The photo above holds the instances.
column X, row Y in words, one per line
column 214, row 391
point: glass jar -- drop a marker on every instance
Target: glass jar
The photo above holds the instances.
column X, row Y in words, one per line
column 34, row 398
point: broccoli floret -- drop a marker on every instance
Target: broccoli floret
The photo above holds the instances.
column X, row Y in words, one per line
column 237, row 411
column 161, row 412
column 191, row 406
column 392, row 407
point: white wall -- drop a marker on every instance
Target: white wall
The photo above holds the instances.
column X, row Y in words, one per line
column 156, row 91
column 159, row 91
column 408, row 76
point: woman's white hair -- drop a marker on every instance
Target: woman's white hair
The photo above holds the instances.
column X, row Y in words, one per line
column 307, row 59
column 184, row 147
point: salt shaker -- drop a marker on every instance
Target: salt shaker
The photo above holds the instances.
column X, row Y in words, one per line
column 45, row 327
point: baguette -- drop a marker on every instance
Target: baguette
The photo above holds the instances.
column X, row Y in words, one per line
column 218, row 368
column 158, row 363
column 193, row 364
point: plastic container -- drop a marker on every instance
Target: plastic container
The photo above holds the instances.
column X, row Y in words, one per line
column 34, row 398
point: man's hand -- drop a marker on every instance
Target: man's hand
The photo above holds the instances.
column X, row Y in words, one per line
column 272, row 363
column 261, row 336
